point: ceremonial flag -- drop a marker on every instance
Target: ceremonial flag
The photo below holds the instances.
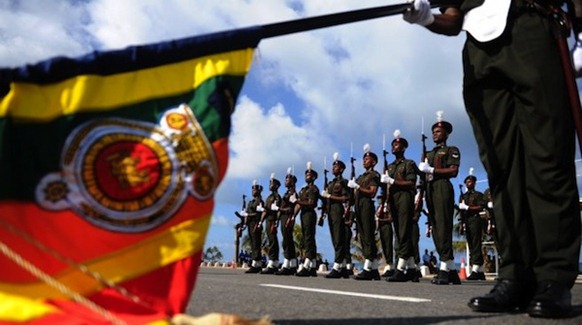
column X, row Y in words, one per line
column 108, row 166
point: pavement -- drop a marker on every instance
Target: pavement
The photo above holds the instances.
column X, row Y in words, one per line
column 316, row 300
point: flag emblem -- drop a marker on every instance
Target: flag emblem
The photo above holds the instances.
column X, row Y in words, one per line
column 131, row 176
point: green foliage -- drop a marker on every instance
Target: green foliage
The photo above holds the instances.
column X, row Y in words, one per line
column 212, row 254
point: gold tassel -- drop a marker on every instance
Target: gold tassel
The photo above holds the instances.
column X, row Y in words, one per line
column 218, row 319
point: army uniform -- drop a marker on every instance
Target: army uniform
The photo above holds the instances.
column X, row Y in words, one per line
column 254, row 231
column 365, row 213
column 475, row 226
column 402, row 210
column 271, row 216
column 440, row 202
column 516, row 97
column 287, row 218
column 337, row 188
column 308, row 197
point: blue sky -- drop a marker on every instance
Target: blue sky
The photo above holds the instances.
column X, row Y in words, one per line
column 307, row 95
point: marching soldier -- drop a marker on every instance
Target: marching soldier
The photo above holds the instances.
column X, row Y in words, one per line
column 441, row 164
column 253, row 215
column 336, row 194
column 365, row 189
column 400, row 180
column 287, row 217
column 471, row 205
column 271, row 215
column 306, row 204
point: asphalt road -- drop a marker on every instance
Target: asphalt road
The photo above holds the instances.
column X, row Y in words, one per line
column 317, row 300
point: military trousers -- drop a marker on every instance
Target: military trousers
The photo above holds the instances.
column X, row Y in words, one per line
column 515, row 96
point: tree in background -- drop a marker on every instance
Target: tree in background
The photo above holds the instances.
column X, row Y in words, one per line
column 212, row 254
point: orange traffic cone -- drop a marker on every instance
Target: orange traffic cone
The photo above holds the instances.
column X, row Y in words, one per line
column 463, row 270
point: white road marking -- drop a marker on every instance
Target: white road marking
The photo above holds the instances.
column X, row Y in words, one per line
column 347, row 293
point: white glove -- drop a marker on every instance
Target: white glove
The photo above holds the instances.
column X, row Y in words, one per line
column 260, row 208
column 386, row 179
column 421, row 14
column 425, row 167
column 244, row 213
column 293, row 198
column 325, row 194
column 577, row 56
column 490, row 205
column 463, row 206
column 352, row 184
column 274, row 207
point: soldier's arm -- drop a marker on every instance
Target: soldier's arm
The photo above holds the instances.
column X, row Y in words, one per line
column 448, row 23
column 369, row 191
column 449, row 171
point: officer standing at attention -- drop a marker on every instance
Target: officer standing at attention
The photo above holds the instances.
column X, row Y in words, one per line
column 400, row 179
column 471, row 205
column 306, row 204
column 271, row 216
column 441, row 164
column 337, row 194
column 515, row 87
column 287, row 217
column 253, row 216
column 365, row 189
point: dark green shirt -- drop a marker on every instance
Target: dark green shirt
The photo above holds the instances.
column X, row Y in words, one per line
column 443, row 157
column 473, row 198
column 403, row 169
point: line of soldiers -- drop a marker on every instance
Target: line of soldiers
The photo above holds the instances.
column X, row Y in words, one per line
column 403, row 186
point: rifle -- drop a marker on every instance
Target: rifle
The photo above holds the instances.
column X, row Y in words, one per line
column 384, row 214
column 462, row 214
column 291, row 220
column 324, row 202
column 422, row 188
column 240, row 227
column 352, row 200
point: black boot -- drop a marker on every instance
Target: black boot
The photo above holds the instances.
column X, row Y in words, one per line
column 269, row 270
column 368, row 275
column 304, row 272
column 398, row 276
column 388, row 273
column 286, row 271
column 475, row 276
column 506, row 296
column 441, row 278
column 334, row 274
column 253, row 269
column 346, row 273
column 454, row 277
column 413, row 275
column 552, row 300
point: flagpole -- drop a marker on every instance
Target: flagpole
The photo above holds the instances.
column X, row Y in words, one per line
column 305, row 24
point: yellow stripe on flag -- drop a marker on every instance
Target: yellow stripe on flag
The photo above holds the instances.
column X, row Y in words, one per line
column 16, row 308
column 84, row 93
column 175, row 244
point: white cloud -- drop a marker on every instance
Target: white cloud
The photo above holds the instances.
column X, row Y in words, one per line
column 220, row 220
